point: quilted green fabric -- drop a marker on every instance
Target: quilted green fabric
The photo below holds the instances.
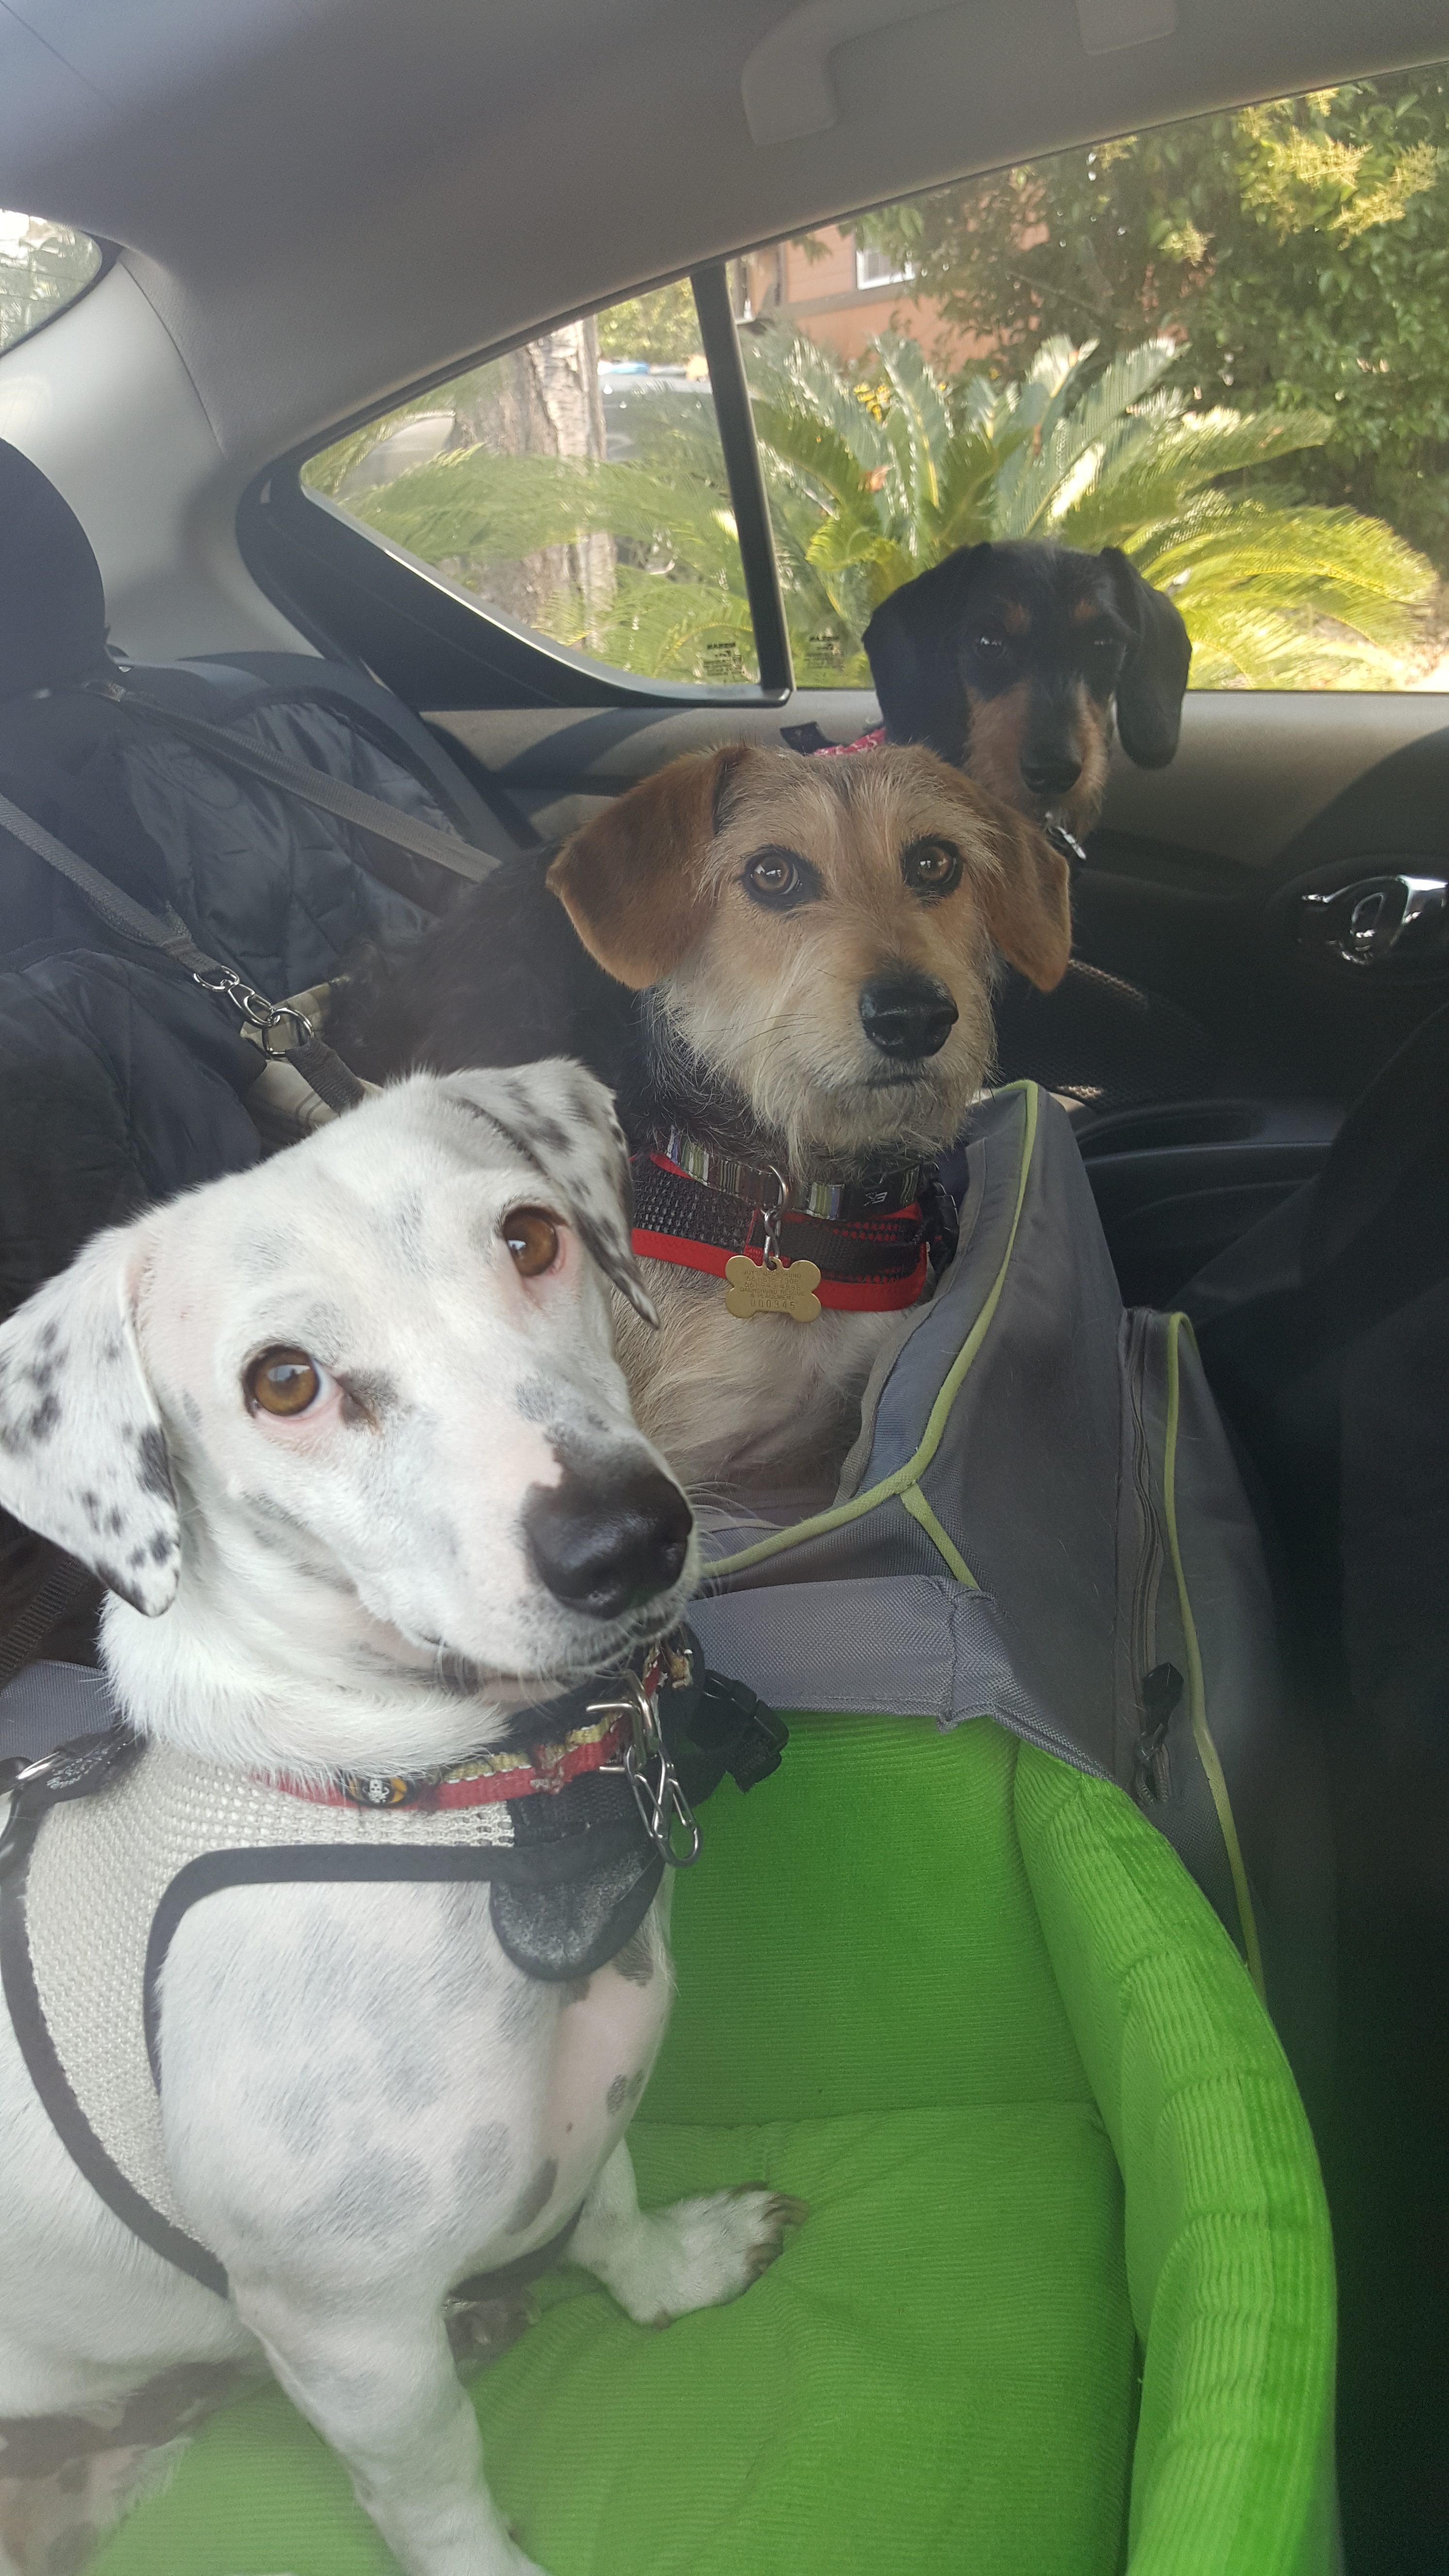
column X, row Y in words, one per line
column 951, row 1994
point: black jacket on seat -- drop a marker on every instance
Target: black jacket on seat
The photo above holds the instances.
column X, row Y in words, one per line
column 122, row 1081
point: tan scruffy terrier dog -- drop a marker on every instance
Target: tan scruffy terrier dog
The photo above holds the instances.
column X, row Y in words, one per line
column 795, row 1008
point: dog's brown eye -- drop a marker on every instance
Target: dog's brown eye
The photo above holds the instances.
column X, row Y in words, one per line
column 282, row 1381
column 774, row 875
column 779, row 879
column 933, row 866
column 532, row 1239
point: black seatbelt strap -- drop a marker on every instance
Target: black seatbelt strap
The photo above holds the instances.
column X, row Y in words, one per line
column 282, row 1030
column 314, row 786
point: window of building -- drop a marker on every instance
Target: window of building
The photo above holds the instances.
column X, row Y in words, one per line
column 43, row 268
column 576, row 488
column 875, row 267
column 1222, row 345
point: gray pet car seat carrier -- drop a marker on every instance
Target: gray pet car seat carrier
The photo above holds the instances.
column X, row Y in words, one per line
column 1041, row 1522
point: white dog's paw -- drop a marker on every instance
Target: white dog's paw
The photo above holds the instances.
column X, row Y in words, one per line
column 701, row 2253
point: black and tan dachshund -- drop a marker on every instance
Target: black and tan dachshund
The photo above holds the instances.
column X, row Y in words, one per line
column 1010, row 661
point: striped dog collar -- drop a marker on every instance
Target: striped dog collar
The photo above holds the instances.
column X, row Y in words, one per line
column 760, row 1184
column 871, row 1263
column 485, row 1780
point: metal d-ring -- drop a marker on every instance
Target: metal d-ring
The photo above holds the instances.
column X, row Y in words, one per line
column 771, row 1216
column 662, row 1804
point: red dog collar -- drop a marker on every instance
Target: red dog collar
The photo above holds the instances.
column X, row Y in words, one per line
column 868, row 1264
column 484, row 1781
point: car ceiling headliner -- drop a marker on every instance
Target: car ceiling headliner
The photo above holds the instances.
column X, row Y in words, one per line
column 326, row 199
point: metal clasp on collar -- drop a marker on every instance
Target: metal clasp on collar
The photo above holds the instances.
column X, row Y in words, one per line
column 267, row 1018
column 772, row 1216
column 662, row 1804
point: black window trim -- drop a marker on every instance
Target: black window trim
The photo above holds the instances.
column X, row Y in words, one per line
column 355, row 595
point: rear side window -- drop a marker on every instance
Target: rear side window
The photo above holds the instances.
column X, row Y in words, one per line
column 43, row 268
column 575, row 487
column 1222, row 345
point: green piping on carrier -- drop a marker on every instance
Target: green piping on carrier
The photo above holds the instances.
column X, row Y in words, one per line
column 1197, row 1696
column 906, row 1478
column 914, row 1501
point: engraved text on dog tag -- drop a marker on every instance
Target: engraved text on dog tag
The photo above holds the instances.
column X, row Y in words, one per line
column 788, row 1289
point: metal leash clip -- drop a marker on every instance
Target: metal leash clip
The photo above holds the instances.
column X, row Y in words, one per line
column 257, row 1012
column 662, row 1804
column 66, row 1765
column 771, row 1217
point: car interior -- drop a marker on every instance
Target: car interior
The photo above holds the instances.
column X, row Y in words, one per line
column 329, row 247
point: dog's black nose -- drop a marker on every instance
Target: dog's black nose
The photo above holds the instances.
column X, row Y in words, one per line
column 907, row 1015
column 605, row 1546
column 1050, row 773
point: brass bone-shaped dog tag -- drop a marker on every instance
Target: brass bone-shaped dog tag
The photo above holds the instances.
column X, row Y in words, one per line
column 788, row 1289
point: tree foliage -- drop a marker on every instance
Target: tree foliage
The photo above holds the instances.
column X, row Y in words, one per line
column 43, row 267
column 662, row 326
column 1299, row 251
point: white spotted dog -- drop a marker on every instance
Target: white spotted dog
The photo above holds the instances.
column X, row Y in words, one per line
column 318, row 2007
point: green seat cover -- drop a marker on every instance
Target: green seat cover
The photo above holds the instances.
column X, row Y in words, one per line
column 1065, row 2301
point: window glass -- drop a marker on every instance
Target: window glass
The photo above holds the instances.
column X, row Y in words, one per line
column 43, row 267
column 1222, row 345
column 577, row 487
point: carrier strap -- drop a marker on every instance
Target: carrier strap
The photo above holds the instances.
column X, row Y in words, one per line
column 314, row 786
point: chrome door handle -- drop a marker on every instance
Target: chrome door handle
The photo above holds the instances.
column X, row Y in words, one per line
column 1397, row 919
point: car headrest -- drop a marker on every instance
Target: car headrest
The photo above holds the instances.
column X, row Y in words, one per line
column 52, row 604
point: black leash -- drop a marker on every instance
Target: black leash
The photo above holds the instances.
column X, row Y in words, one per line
column 282, row 1030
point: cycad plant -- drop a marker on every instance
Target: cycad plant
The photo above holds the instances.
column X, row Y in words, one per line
column 878, row 472
column 876, row 478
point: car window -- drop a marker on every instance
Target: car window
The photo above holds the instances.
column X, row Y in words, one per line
column 576, row 486
column 1222, row 345
column 43, row 268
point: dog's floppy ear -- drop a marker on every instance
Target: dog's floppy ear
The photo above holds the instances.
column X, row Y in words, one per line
column 1025, row 898
column 911, row 645
column 82, row 1452
column 1028, row 907
column 562, row 1121
column 632, row 882
column 1154, row 675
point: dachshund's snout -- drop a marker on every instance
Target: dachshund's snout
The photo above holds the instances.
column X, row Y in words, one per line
column 606, row 1545
column 907, row 1015
column 1050, row 773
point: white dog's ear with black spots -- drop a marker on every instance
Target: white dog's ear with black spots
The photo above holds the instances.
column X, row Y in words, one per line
column 562, row 1121
column 82, row 1452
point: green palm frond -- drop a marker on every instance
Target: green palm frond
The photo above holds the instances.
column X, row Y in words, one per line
column 816, row 448
column 1287, row 590
column 1067, row 436
column 1159, row 460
